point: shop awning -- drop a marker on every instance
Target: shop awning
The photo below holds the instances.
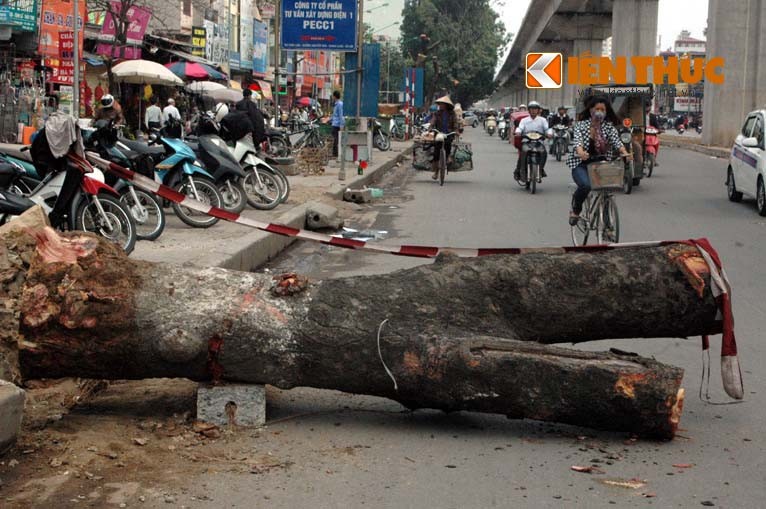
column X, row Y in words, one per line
column 92, row 59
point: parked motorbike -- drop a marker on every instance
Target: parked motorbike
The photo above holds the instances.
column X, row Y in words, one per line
column 89, row 204
column 698, row 128
column 651, row 147
column 145, row 208
column 534, row 148
column 177, row 167
column 265, row 185
column 502, row 130
column 560, row 141
column 379, row 137
column 680, row 129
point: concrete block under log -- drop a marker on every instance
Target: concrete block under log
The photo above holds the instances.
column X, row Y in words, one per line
column 320, row 215
column 358, row 195
column 235, row 404
column 11, row 411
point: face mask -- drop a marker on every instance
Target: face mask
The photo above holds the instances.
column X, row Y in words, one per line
column 599, row 115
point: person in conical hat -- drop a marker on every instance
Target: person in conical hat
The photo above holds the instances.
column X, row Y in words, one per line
column 446, row 100
column 445, row 121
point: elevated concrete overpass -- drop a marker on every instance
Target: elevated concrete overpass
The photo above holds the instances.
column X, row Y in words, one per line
column 573, row 27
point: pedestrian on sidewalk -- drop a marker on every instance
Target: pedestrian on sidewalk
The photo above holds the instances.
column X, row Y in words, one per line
column 337, row 121
column 153, row 116
column 171, row 120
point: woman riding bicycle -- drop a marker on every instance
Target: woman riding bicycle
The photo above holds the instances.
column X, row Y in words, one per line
column 445, row 121
column 595, row 136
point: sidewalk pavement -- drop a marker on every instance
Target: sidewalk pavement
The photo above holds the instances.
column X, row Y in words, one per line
column 235, row 246
column 693, row 143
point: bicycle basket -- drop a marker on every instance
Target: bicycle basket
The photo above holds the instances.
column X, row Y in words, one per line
column 606, row 175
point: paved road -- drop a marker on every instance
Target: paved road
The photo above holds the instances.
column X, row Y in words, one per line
column 363, row 451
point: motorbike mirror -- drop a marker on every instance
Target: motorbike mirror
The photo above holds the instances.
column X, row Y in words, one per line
column 750, row 142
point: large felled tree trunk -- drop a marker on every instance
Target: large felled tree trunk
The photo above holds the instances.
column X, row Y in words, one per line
column 88, row 310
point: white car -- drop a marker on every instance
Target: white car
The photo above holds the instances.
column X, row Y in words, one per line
column 747, row 163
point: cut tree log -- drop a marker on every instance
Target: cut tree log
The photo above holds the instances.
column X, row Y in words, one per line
column 89, row 311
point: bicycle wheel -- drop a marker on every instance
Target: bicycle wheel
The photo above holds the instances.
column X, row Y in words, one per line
column 610, row 226
column 581, row 231
column 442, row 166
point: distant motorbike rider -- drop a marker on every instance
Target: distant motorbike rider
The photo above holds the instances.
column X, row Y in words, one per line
column 653, row 121
column 534, row 122
column 445, row 121
column 559, row 118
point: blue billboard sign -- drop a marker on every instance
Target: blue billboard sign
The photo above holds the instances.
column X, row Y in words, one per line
column 328, row 25
column 260, row 47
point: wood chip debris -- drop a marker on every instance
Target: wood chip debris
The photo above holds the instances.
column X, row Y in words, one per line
column 632, row 484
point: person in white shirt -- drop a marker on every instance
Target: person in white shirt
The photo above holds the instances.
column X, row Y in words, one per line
column 537, row 123
column 169, row 112
column 153, row 117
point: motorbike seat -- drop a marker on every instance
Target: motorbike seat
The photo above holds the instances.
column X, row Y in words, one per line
column 8, row 172
column 142, row 148
column 11, row 203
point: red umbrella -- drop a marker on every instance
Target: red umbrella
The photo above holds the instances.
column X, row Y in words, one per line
column 194, row 71
column 303, row 101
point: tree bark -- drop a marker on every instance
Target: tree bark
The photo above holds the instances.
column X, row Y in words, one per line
column 89, row 311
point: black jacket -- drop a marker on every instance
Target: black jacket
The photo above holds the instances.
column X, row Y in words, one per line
column 256, row 118
column 554, row 120
column 653, row 121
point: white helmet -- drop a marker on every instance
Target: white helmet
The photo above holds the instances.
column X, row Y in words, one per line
column 534, row 104
column 221, row 110
column 523, row 106
column 107, row 100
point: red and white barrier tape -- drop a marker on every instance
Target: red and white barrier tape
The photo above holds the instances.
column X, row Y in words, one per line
column 732, row 377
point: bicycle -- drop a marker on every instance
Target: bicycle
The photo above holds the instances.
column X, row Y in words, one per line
column 310, row 138
column 599, row 211
column 442, row 137
column 398, row 132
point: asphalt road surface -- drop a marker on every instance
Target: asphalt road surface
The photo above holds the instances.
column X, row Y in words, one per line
column 352, row 451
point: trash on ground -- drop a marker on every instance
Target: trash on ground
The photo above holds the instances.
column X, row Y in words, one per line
column 362, row 235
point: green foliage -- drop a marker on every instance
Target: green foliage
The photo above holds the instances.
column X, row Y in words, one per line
column 466, row 40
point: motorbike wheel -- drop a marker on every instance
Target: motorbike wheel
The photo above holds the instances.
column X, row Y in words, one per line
column 627, row 181
column 234, row 198
column 147, row 213
column 534, row 172
column 649, row 164
column 382, row 141
column 208, row 194
column 120, row 227
column 559, row 150
column 265, row 194
column 279, row 147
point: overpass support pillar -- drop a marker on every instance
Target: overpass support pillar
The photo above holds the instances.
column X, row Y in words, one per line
column 580, row 47
column 735, row 32
column 634, row 29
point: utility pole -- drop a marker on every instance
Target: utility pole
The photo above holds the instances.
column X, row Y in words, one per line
column 360, row 66
column 277, row 14
column 76, row 62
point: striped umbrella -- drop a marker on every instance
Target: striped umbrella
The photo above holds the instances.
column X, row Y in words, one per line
column 195, row 71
